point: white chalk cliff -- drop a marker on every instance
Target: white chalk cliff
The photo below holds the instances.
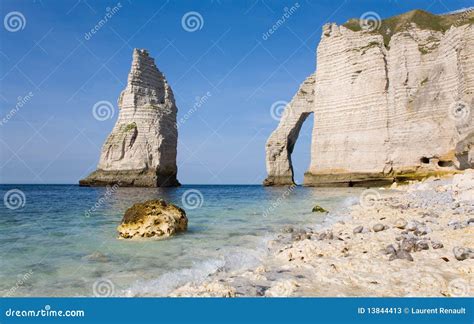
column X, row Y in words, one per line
column 395, row 103
column 141, row 149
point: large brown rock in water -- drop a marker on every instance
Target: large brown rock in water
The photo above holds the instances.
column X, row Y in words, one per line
column 152, row 219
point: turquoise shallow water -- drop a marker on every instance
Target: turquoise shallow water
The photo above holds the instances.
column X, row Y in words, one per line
column 46, row 245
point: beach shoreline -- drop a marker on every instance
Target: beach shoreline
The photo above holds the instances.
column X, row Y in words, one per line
column 409, row 240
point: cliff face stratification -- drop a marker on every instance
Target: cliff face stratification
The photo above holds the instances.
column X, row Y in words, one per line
column 141, row 149
column 391, row 104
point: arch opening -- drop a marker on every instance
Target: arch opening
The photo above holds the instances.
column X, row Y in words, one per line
column 299, row 155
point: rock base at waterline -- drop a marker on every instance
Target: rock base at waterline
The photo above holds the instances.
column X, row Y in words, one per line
column 130, row 178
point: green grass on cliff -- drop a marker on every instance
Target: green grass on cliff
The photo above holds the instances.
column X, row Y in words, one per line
column 129, row 127
column 424, row 20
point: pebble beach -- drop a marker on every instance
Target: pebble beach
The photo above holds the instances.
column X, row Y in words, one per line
column 407, row 240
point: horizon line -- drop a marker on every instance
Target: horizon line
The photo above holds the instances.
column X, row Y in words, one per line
column 187, row 184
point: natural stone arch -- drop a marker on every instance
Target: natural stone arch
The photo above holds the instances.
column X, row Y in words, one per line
column 282, row 141
column 384, row 112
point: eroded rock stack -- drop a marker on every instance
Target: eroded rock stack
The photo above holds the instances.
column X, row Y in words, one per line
column 141, row 149
column 394, row 103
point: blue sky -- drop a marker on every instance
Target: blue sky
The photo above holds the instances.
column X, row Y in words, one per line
column 54, row 137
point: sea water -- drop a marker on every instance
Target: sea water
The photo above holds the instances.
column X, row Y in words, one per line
column 61, row 240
